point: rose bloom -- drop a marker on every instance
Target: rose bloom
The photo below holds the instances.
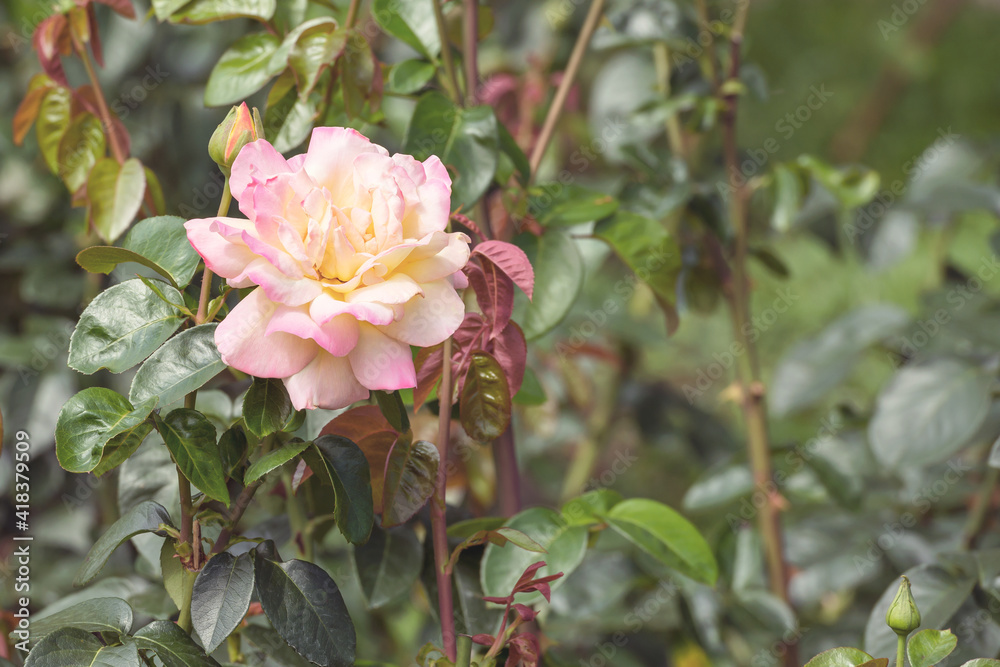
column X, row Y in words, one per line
column 347, row 248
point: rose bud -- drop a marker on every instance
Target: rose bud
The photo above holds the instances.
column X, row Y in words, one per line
column 903, row 616
column 236, row 131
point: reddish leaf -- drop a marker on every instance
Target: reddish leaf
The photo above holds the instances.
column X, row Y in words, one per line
column 494, row 292
column 27, row 111
column 123, row 7
column 525, row 612
column 301, row 474
column 483, row 640
column 95, row 36
column 472, row 336
column 52, row 39
column 511, row 260
column 429, row 366
column 366, row 426
column 511, row 352
column 524, row 650
column 410, row 478
column 468, row 224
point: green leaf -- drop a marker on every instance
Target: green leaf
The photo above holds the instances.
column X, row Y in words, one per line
column 164, row 8
column 411, row 22
column 79, row 149
column 174, row 573
column 466, row 140
column 89, row 420
column 787, row 198
column 666, row 536
column 221, row 597
column 306, row 608
column 391, row 405
column 558, row 281
column 266, row 407
column 588, row 509
column 341, row 464
column 840, row 657
column 276, row 648
column 172, row 646
column 531, row 392
column 485, row 406
column 388, row 564
column 509, row 147
column 928, row 412
column 114, row 195
column 53, row 122
column 469, row 527
column 647, row 248
column 939, row 593
column 112, row 615
column 73, row 647
column 982, row 662
column 121, row 327
column 411, row 470
column 274, row 459
column 565, row 544
column 185, row 363
column 163, row 241
column 233, row 448
column 929, row 647
column 190, row 437
column 243, row 69
column 409, row 76
column 145, row 517
column 200, row 12
column 314, row 46
column 555, row 204
column 119, row 448
column 288, row 119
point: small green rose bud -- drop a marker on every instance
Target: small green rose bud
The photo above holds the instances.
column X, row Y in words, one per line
column 236, row 131
column 903, row 616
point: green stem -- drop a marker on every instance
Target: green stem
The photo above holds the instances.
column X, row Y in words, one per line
column 900, row 650
column 451, row 78
column 352, row 14
column 464, row 651
column 233, row 647
column 206, row 279
column 559, row 101
column 661, row 59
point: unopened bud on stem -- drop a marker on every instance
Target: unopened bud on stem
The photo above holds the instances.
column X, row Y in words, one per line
column 238, row 129
column 903, row 616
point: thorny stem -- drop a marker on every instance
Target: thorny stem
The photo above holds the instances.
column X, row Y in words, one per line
column 451, row 78
column 206, row 278
column 559, row 101
column 752, row 393
column 235, row 514
column 439, row 526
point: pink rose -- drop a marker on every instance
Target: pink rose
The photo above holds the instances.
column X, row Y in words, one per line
column 347, row 248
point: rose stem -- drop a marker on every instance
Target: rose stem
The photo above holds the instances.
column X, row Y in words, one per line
column 451, row 79
column 206, row 278
column 439, row 526
column 559, row 101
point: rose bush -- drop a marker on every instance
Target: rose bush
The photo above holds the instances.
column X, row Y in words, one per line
column 347, row 248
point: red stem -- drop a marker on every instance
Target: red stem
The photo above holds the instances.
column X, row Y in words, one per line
column 439, row 524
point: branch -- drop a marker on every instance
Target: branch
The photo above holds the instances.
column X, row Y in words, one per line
column 439, row 526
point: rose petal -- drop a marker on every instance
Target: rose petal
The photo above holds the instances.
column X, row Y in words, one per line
column 338, row 336
column 244, row 344
column 257, row 160
column 328, row 382
column 430, row 319
column 224, row 257
column 380, row 362
column 330, row 159
column 398, row 289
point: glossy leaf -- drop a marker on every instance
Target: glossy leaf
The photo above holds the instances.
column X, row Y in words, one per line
column 555, row 204
column 172, row 646
column 840, row 657
column 118, row 449
column 929, row 647
column 928, row 412
column 79, row 149
column 266, row 407
column 52, row 123
column 31, row 105
column 274, row 459
column 163, row 240
column 102, row 614
column 647, row 248
column 114, row 195
column 306, row 608
column 409, row 76
column 145, row 517
column 73, row 647
column 589, row 508
column 243, row 69
column 315, row 45
column 666, row 536
column 233, row 448
column 340, row 464
column 122, row 326
column 207, row 11
column 220, row 597
column 89, row 420
column 558, row 281
column 388, row 564
column 411, row 471
column 288, row 119
column 185, row 363
column 565, row 545
column 391, row 405
column 164, row 8
column 190, row 437
column 466, row 140
column 485, row 402
column 410, row 21
column 511, row 260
